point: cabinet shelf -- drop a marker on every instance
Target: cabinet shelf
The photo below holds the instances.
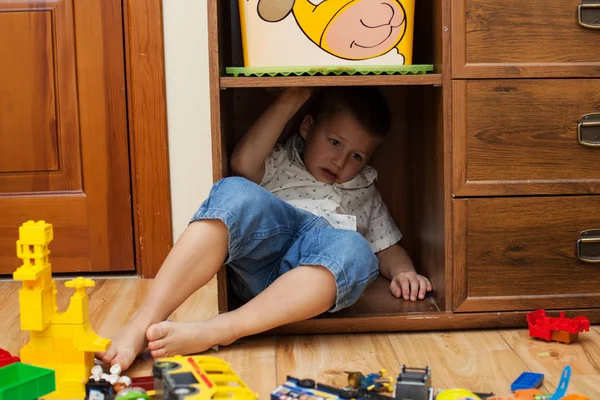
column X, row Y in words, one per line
column 350, row 80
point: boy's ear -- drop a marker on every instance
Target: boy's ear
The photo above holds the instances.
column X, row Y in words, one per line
column 306, row 126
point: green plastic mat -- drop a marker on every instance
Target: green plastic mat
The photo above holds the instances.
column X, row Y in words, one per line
column 327, row 70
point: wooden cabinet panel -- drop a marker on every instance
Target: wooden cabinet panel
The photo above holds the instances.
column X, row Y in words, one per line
column 64, row 133
column 521, row 253
column 515, row 137
column 522, row 38
column 28, row 93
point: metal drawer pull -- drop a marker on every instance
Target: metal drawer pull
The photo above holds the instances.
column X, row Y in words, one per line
column 588, row 246
column 588, row 13
column 588, row 130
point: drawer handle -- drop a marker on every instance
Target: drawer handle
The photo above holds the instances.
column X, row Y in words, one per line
column 588, row 246
column 588, row 130
column 588, row 13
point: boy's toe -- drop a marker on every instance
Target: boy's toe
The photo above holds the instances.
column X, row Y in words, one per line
column 157, row 331
column 124, row 360
column 109, row 355
column 157, row 344
column 162, row 352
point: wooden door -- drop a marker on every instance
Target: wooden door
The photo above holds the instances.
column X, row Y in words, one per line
column 64, row 154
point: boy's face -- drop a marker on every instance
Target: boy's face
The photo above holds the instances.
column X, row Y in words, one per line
column 337, row 148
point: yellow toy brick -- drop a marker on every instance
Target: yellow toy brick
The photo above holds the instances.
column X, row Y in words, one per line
column 64, row 342
column 40, row 307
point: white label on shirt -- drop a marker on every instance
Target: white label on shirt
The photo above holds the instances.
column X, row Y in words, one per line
column 327, row 209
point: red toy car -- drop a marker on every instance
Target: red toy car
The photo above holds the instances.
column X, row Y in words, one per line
column 561, row 329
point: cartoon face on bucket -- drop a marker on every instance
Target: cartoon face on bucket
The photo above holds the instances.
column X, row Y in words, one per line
column 348, row 29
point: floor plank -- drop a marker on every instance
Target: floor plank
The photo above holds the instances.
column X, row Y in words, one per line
column 549, row 358
column 480, row 361
column 324, row 358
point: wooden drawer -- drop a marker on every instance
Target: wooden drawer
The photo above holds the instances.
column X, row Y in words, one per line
column 517, row 137
column 521, row 253
column 523, row 38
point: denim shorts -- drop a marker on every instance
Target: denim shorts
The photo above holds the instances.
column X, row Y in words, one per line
column 269, row 237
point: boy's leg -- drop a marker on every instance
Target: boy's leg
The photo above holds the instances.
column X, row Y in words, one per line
column 334, row 268
column 238, row 221
column 193, row 261
column 299, row 294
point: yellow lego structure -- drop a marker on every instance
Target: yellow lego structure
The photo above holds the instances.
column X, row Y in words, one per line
column 64, row 342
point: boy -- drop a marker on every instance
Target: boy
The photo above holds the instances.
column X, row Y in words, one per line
column 302, row 218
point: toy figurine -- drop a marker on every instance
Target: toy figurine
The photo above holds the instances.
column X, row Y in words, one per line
column 378, row 381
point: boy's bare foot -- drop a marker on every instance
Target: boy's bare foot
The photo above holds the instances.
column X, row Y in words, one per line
column 128, row 342
column 167, row 339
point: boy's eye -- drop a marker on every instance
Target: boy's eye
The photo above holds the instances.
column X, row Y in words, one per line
column 357, row 157
column 334, row 142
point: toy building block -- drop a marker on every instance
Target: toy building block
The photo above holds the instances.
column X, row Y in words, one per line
column 63, row 342
column 6, row 358
column 25, row 382
column 527, row 380
column 145, row 382
column 561, row 329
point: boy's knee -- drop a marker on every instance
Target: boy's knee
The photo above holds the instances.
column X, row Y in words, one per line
column 237, row 192
column 357, row 247
column 356, row 256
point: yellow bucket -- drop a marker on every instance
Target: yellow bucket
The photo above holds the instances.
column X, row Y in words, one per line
column 286, row 33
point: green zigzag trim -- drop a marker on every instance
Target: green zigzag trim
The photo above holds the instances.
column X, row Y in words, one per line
column 335, row 70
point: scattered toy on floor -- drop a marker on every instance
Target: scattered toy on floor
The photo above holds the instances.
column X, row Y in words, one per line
column 378, row 382
column 20, row 381
column 527, row 380
column 6, row 358
column 198, row 377
column 561, row 329
column 62, row 342
column 103, row 386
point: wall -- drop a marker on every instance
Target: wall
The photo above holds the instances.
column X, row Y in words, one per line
column 188, row 107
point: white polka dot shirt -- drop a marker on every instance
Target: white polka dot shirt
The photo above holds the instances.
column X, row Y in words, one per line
column 354, row 205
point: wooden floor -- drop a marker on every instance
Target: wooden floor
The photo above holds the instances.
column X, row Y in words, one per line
column 481, row 361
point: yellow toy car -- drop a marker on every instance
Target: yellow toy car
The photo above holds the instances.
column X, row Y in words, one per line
column 198, row 378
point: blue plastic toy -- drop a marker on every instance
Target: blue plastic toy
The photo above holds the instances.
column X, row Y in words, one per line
column 561, row 390
column 527, row 380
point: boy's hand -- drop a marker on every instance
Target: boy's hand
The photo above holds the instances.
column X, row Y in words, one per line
column 409, row 285
column 295, row 95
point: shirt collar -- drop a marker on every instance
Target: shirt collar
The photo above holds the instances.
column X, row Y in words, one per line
column 365, row 178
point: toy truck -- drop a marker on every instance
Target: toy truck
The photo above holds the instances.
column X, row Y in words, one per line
column 561, row 329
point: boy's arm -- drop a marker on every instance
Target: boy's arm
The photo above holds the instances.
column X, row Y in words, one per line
column 396, row 265
column 248, row 157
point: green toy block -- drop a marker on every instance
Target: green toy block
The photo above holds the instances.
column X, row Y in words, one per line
column 20, row 381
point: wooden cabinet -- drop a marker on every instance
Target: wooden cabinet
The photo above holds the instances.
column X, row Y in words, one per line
column 491, row 169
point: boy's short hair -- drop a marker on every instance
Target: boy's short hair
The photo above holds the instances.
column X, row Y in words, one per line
column 364, row 103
